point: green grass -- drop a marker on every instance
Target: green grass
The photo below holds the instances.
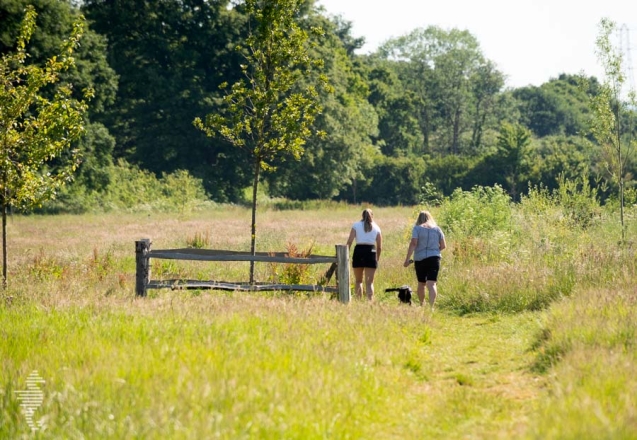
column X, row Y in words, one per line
column 588, row 349
column 240, row 366
column 533, row 334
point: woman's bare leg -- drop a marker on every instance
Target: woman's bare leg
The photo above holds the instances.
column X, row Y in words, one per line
column 358, row 276
column 433, row 292
column 421, row 293
column 369, row 282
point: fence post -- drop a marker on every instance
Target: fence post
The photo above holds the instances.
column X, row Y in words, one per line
column 142, row 266
column 342, row 260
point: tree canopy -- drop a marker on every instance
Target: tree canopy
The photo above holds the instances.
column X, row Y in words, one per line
column 37, row 128
column 430, row 97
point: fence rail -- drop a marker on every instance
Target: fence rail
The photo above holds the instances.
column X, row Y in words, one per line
column 219, row 255
column 143, row 254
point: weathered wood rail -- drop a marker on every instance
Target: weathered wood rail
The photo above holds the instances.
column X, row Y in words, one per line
column 143, row 254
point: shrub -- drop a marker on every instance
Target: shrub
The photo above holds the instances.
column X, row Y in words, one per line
column 133, row 189
column 478, row 212
column 579, row 200
column 292, row 273
column 430, row 194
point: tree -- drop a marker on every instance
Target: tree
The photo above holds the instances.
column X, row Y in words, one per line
column 454, row 81
column 266, row 114
column 34, row 129
column 171, row 57
column 607, row 108
column 486, row 84
column 398, row 125
column 566, row 157
column 511, row 160
column 55, row 20
column 557, row 107
column 331, row 164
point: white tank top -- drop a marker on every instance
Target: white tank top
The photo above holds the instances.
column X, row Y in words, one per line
column 363, row 237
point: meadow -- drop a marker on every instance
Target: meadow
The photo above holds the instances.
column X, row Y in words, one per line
column 533, row 334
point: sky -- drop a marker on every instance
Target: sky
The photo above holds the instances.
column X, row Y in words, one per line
column 530, row 41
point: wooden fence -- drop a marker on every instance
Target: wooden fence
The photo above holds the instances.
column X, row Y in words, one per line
column 143, row 254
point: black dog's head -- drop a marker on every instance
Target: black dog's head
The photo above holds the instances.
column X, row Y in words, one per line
column 404, row 293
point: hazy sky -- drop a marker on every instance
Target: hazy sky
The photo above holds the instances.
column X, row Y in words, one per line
column 530, row 41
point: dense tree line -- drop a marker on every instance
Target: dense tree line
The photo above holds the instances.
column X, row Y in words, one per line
column 426, row 110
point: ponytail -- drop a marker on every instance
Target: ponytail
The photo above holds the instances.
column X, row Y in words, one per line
column 367, row 220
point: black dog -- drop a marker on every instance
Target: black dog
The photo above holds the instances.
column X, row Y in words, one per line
column 404, row 293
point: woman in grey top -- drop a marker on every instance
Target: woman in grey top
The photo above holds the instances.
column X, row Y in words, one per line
column 427, row 240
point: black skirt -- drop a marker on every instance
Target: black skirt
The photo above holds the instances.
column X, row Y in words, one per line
column 364, row 256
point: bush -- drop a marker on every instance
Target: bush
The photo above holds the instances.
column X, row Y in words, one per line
column 579, row 201
column 132, row 189
column 477, row 213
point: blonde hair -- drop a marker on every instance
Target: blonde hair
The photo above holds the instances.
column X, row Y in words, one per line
column 367, row 219
column 425, row 218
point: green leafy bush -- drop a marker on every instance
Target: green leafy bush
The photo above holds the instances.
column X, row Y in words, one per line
column 132, row 189
column 579, row 200
column 478, row 212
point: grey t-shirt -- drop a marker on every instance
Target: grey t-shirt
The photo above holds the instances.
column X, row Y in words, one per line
column 428, row 242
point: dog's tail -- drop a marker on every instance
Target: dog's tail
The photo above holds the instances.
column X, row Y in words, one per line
column 398, row 289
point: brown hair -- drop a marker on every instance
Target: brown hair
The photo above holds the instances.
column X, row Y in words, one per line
column 367, row 219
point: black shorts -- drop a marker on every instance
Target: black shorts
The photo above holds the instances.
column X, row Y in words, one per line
column 427, row 269
column 364, row 256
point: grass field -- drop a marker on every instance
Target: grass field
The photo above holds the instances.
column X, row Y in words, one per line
column 533, row 336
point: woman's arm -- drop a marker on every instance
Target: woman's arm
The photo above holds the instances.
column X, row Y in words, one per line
column 352, row 236
column 379, row 246
column 443, row 243
column 412, row 247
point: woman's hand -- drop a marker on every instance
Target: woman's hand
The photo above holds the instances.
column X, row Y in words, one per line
column 412, row 247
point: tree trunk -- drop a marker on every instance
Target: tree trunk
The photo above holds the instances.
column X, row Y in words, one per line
column 476, row 136
column 621, row 210
column 354, row 189
column 253, row 238
column 4, row 245
column 424, row 128
column 620, row 164
column 456, row 133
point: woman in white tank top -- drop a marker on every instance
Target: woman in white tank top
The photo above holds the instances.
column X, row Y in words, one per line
column 369, row 244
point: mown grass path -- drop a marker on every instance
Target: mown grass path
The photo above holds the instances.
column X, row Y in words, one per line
column 477, row 381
